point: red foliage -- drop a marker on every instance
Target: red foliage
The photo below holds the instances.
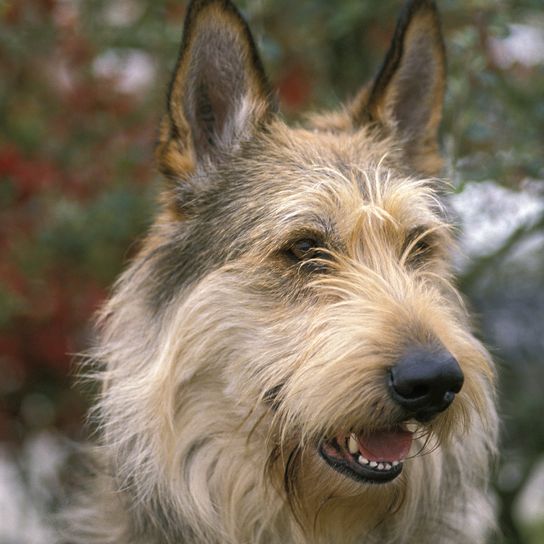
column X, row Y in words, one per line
column 295, row 86
column 28, row 175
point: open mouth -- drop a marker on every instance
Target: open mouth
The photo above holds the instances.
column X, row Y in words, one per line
column 375, row 457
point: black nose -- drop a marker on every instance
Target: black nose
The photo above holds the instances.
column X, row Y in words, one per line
column 425, row 381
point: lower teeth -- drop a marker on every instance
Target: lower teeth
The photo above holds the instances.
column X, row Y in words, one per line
column 353, row 448
column 376, row 465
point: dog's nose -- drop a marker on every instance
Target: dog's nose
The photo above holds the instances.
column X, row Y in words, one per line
column 425, row 381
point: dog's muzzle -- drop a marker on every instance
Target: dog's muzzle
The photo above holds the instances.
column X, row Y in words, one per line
column 424, row 383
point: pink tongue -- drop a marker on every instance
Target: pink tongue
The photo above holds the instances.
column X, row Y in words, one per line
column 385, row 445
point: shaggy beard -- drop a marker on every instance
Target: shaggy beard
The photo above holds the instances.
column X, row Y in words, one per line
column 208, row 453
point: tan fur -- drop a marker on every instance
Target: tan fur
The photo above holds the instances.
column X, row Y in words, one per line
column 190, row 448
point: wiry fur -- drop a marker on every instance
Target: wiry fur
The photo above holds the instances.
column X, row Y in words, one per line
column 223, row 363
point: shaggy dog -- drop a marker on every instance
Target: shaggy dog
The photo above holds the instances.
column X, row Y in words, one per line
column 287, row 359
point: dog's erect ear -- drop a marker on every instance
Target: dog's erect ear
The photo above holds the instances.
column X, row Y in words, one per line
column 408, row 92
column 219, row 92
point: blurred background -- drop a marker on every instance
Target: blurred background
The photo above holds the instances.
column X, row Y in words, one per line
column 82, row 88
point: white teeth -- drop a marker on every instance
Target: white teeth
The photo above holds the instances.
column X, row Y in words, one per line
column 378, row 466
column 411, row 427
column 352, row 445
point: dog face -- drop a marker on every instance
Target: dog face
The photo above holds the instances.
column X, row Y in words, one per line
column 325, row 246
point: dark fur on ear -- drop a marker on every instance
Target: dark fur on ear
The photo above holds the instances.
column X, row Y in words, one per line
column 219, row 91
column 407, row 94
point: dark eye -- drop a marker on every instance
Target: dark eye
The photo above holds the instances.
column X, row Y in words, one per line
column 304, row 249
column 419, row 245
column 308, row 252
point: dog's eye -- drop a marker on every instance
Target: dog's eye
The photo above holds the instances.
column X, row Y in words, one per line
column 306, row 249
column 419, row 245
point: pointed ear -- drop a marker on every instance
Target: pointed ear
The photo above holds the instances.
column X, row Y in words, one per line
column 408, row 92
column 219, row 92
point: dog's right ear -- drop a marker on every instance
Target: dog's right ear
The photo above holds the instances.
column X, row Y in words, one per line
column 219, row 92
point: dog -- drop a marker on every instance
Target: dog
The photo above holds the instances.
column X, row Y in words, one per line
column 287, row 359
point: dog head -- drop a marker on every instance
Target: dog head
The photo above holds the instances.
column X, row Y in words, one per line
column 296, row 288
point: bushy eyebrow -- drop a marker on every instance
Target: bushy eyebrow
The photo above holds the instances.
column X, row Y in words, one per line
column 432, row 230
column 419, row 231
column 430, row 233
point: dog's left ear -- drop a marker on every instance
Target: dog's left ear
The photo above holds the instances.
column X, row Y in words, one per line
column 219, row 91
column 408, row 92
